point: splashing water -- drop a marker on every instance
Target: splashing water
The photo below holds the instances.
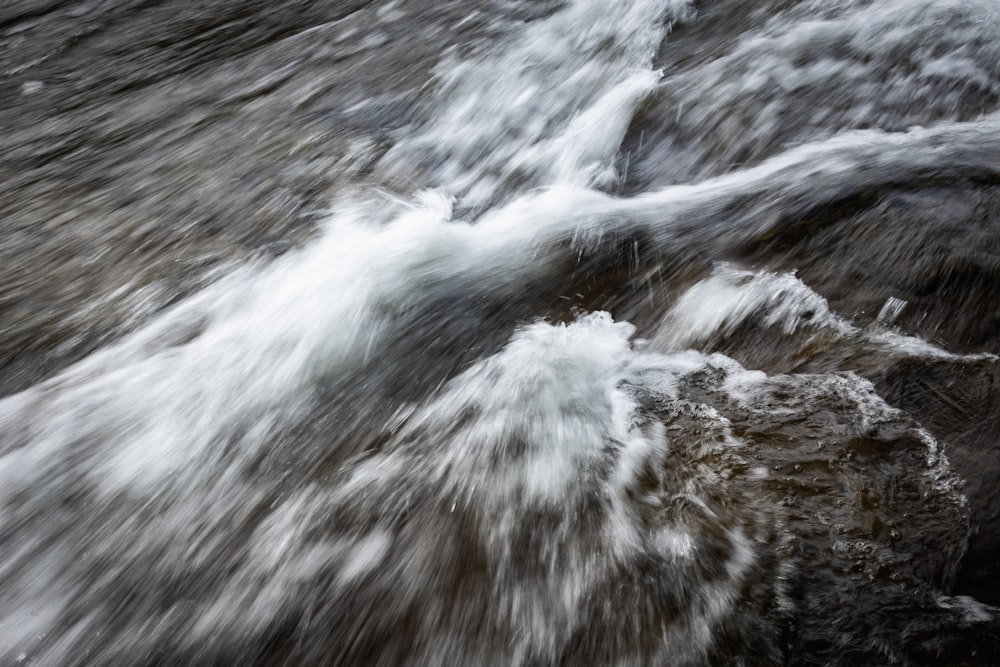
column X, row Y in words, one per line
column 420, row 438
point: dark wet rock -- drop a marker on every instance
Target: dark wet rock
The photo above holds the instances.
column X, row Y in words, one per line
column 936, row 247
column 870, row 550
column 959, row 403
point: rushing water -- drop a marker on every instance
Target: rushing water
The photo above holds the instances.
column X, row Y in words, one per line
column 509, row 333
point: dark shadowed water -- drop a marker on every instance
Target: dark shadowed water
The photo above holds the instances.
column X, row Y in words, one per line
column 507, row 332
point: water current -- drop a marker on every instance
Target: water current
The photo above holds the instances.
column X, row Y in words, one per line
column 506, row 332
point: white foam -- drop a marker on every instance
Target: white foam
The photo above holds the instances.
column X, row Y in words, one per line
column 891, row 311
column 552, row 391
column 552, row 104
column 728, row 298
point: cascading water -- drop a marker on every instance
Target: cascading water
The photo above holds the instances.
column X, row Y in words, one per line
column 615, row 345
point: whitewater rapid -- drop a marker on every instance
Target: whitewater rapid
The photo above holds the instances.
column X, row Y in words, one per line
column 394, row 445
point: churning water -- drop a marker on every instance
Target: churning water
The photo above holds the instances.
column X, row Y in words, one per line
column 632, row 332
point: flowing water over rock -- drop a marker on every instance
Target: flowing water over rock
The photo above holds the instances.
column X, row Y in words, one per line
column 505, row 332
